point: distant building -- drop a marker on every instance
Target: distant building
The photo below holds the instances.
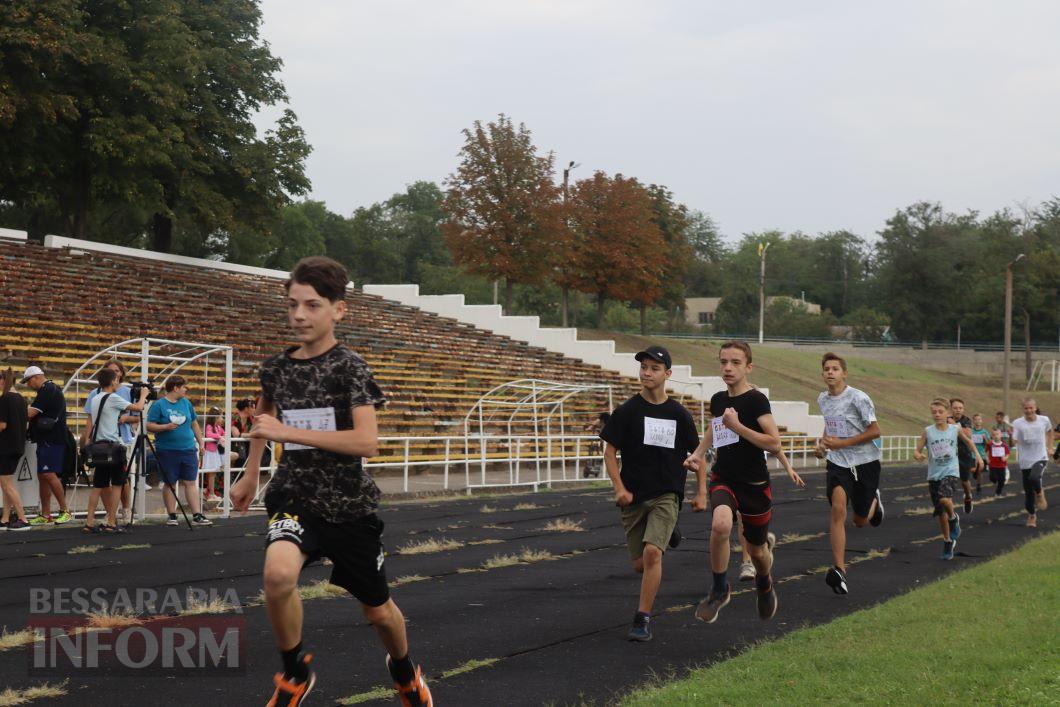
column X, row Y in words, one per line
column 809, row 306
column 700, row 311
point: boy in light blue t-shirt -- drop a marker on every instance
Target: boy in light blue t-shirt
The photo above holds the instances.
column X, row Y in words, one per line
column 179, row 445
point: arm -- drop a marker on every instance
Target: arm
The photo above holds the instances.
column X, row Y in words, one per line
column 920, row 444
column 361, row 441
column 871, row 432
column 700, row 454
column 622, row 496
column 135, row 407
column 795, row 478
column 197, row 431
column 768, row 439
column 243, row 490
column 86, row 434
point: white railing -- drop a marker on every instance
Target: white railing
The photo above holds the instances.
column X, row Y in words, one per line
column 799, row 450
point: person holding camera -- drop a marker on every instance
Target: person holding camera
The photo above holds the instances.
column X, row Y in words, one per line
column 178, row 445
column 105, row 448
column 12, row 447
column 125, row 430
column 47, row 427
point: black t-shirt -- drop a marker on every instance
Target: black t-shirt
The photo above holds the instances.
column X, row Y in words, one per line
column 329, row 486
column 13, row 413
column 49, row 403
column 654, row 441
column 741, row 461
column 965, row 457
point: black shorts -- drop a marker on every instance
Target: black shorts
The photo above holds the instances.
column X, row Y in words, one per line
column 355, row 548
column 754, row 502
column 107, row 476
column 966, row 472
column 859, row 483
column 9, row 464
column 946, row 487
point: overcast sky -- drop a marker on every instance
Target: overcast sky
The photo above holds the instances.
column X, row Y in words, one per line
column 809, row 116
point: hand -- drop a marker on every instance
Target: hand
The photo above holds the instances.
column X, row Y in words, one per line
column 699, row 503
column 268, row 427
column 919, row 456
column 172, row 425
column 730, row 418
column 832, row 442
column 694, row 463
column 979, row 464
column 623, row 497
column 795, row 478
column 243, row 492
column 819, row 451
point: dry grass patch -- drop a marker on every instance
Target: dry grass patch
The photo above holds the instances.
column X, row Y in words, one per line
column 84, row 549
column 918, row 511
column 527, row 507
column 381, row 692
column 135, row 546
column 107, row 619
column 473, row 664
column 487, row 541
column 422, row 547
column 524, row 556
column 787, row 538
column 564, row 525
column 216, row 605
column 493, row 526
column 487, row 509
column 10, row 696
column 408, row 579
column 904, row 499
column 15, row 639
column 321, row 589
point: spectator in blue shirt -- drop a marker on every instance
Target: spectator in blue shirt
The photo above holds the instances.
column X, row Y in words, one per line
column 47, row 427
column 179, row 446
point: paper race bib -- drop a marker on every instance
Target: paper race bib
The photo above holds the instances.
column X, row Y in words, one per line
column 836, row 427
column 660, row 433
column 722, row 435
column 940, row 449
column 319, row 419
column 978, row 438
column 997, row 452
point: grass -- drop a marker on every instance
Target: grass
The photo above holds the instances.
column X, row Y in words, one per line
column 524, row 556
column 423, row 547
column 107, row 619
column 487, row 509
column 900, row 392
column 564, row 525
column 382, row 692
column 321, row 589
column 473, row 664
column 84, row 549
column 10, row 696
column 918, row 511
column 135, row 546
column 912, row 657
column 14, row 639
column 487, row 541
column 527, row 507
column 788, row 538
column 408, row 579
column 214, row 606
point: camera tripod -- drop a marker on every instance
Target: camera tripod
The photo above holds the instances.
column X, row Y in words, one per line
column 138, row 467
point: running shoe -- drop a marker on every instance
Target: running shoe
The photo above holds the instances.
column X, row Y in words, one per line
column 41, row 520
column 877, row 517
column 947, row 550
column 968, row 505
column 641, row 628
column 710, row 607
column 18, row 525
column 172, row 519
column 955, row 527
column 1039, row 501
column 747, row 571
column 414, row 693
column 3, row 525
column 63, row 517
column 1032, row 521
column 771, row 542
column 837, row 580
column 767, row 601
column 675, row 538
column 200, row 519
column 290, row 692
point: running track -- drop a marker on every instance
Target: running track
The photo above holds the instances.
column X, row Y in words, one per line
column 556, row 628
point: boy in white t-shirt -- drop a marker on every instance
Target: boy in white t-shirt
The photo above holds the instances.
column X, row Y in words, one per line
column 1032, row 435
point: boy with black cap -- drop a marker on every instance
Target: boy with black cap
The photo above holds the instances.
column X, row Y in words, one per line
column 655, row 434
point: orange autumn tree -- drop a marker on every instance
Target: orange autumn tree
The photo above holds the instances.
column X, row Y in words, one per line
column 620, row 251
column 503, row 208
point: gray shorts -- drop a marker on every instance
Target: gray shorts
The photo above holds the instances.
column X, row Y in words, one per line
column 946, row 487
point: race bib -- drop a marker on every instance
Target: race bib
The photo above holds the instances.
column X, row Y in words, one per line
column 940, row 449
column 978, row 438
column 997, row 452
column 836, row 427
column 660, row 433
column 722, row 435
column 320, row 419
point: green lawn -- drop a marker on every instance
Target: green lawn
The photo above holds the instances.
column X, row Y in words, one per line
column 986, row 635
column 901, row 393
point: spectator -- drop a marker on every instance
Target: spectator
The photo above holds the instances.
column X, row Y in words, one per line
column 178, row 444
column 125, row 431
column 213, row 456
column 104, row 420
column 12, row 447
column 241, row 424
column 47, row 427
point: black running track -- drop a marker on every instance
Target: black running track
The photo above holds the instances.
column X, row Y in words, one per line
column 556, row 628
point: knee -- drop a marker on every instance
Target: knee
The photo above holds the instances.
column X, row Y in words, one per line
column 279, row 581
column 652, row 556
column 860, row 522
column 839, row 512
column 757, row 552
column 381, row 614
column 638, row 565
column 721, row 524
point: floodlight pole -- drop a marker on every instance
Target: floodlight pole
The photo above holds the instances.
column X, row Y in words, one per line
column 1008, row 330
column 762, row 292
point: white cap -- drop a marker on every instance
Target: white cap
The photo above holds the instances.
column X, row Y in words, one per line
column 30, row 372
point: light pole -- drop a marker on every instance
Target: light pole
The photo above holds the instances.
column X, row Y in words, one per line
column 1008, row 329
column 566, row 182
column 762, row 248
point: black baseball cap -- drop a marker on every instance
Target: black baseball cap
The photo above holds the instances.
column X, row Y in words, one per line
column 656, row 353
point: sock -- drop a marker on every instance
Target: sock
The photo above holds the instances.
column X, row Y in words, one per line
column 954, row 520
column 402, row 670
column 762, row 583
column 947, row 544
column 293, row 665
column 721, row 582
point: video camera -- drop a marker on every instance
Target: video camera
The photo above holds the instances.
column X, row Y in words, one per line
column 137, row 386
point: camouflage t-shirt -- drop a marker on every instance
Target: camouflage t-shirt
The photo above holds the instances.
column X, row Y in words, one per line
column 333, row 487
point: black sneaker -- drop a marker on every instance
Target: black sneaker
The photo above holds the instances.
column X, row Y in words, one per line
column 710, row 607
column 641, row 628
column 172, row 519
column 18, row 525
column 675, row 538
column 836, row 580
column 968, row 505
column 877, row 517
column 200, row 519
column 291, row 692
column 767, row 601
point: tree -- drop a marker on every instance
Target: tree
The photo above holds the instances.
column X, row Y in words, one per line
column 503, row 208
column 622, row 253
column 706, row 268
column 674, row 222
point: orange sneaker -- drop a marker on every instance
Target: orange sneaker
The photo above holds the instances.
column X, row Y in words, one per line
column 291, row 693
column 1032, row 521
column 414, row 693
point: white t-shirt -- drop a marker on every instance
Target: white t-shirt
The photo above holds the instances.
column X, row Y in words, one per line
column 846, row 415
column 1029, row 436
column 108, row 421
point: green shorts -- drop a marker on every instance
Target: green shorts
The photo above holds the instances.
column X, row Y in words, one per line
column 652, row 522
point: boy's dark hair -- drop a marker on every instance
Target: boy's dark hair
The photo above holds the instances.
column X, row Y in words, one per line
column 999, row 412
column 956, row 400
column 106, row 377
column 174, row 382
column 244, row 404
column 323, row 274
column 740, row 345
column 833, row 357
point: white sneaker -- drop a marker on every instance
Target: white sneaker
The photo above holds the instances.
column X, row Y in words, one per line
column 747, row 571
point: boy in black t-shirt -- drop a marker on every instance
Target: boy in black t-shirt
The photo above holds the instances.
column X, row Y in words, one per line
column 655, row 434
column 742, row 429
column 319, row 399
